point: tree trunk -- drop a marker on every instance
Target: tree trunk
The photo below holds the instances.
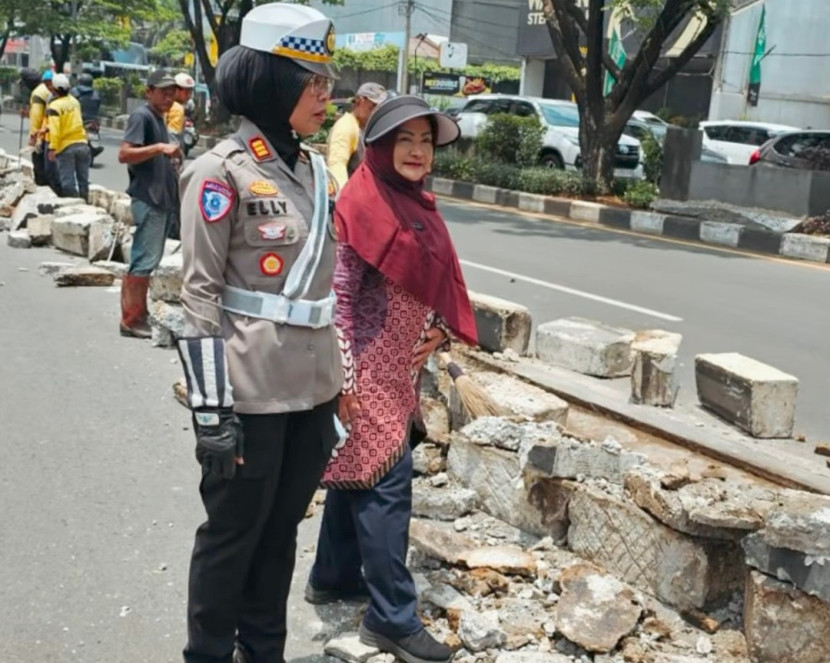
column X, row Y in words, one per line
column 598, row 147
column 59, row 47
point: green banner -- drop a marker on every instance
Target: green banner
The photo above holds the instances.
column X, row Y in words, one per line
column 754, row 88
column 617, row 52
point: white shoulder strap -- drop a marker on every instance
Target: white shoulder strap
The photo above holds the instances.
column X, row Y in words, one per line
column 302, row 272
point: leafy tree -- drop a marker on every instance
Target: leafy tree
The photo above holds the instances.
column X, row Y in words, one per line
column 224, row 21
column 572, row 23
column 86, row 24
column 171, row 49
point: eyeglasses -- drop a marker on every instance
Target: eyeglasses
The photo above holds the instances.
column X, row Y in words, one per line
column 320, row 84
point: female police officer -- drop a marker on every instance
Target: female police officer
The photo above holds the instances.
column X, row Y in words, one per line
column 260, row 354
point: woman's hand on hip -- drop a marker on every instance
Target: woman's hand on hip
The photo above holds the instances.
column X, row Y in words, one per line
column 434, row 338
column 348, row 408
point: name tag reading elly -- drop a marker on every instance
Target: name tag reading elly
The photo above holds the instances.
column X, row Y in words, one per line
column 266, row 207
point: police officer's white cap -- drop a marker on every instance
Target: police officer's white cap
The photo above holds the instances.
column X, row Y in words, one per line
column 294, row 31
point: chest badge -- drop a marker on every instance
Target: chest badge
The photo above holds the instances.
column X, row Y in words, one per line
column 260, row 148
column 263, row 188
column 270, row 264
column 215, row 200
column 273, row 231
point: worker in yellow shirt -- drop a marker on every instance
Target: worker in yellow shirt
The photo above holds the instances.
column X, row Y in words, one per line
column 174, row 118
column 37, row 117
column 345, row 139
column 67, row 140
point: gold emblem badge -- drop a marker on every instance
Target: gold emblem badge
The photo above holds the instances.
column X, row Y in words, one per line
column 270, row 264
column 330, row 40
column 263, row 188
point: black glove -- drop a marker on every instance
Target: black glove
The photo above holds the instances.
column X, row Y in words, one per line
column 219, row 440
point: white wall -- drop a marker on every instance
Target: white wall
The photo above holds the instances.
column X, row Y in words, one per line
column 795, row 88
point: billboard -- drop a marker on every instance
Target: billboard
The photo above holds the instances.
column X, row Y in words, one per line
column 454, row 85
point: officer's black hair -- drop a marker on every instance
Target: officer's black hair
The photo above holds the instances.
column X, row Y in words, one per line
column 265, row 89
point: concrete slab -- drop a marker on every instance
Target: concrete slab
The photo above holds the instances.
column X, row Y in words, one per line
column 585, row 346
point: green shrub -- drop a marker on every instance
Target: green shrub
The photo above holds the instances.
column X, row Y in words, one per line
column 550, row 182
column 652, row 158
column 640, row 194
column 454, row 167
column 511, row 140
column 500, row 175
column 9, row 75
column 109, row 89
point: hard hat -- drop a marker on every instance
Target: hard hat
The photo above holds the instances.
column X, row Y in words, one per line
column 85, row 79
column 60, row 82
column 47, row 75
column 185, row 81
column 294, row 31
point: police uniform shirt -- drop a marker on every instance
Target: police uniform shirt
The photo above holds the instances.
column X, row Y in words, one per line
column 245, row 218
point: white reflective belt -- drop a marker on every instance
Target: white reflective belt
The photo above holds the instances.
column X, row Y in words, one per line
column 302, row 271
column 279, row 308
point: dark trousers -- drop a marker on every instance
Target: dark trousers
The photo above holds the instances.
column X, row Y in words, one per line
column 371, row 528
column 243, row 558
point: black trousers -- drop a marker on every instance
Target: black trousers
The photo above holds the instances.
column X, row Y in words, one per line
column 243, row 558
column 370, row 529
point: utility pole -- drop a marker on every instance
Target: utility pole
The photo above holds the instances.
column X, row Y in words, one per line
column 403, row 74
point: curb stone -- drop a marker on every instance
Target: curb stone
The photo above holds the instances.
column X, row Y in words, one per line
column 792, row 246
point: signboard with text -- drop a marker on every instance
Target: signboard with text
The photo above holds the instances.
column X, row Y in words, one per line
column 454, row 85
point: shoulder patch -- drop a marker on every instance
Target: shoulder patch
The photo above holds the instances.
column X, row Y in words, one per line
column 259, row 148
column 215, row 200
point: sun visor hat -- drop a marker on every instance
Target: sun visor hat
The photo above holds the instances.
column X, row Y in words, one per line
column 397, row 111
column 293, row 31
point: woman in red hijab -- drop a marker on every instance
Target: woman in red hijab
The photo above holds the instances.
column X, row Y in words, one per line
column 400, row 293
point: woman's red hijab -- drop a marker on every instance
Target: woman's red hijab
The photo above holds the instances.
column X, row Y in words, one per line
column 393, row 224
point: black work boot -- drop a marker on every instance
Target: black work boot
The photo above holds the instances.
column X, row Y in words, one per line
column 420, row 647
column 323, row 596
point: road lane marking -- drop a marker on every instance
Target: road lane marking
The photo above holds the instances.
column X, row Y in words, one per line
column 703, row 246
column 573, row 291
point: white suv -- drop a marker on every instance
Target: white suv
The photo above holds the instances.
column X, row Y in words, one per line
column 560, row 145
column 738, row 140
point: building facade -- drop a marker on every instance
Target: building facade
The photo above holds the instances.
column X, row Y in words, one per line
column 795, row 85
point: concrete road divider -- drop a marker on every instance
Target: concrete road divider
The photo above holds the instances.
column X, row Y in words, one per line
column 747, row 393
column 585, row 346
column 502, row 324
column 655, row 357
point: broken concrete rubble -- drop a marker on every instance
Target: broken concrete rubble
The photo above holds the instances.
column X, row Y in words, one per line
column 595, row 609
column 445, row 504
column 679, row 570
column 84, row 276
column 70, row 233
column 166, row 281
column 348, row 647
column 784, row 624
column 19, row 239
column 510, row 560
column 808, row 573
column 514, row 396
column 800, row 521
column 480, row 631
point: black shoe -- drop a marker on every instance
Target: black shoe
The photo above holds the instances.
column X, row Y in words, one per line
column 323, row 596
column 420, row 647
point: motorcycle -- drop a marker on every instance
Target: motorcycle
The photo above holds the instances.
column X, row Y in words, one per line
column 93, row 139
column 190, row 136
